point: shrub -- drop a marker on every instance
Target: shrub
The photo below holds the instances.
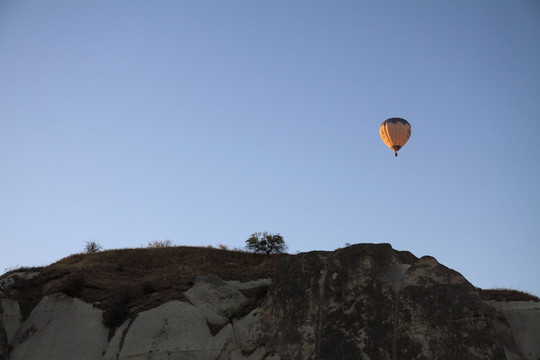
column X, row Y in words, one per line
column 228, row 312
column 502, row 294
column 160, row 244
column 92, row 247
column 266, row 243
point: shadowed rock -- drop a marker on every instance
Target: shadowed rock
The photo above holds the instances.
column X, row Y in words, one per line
column 442, row 316
column 10, row 316
column 3, row 342
column 371, row 302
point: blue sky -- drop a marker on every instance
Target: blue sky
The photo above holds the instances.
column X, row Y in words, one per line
column 125, row 122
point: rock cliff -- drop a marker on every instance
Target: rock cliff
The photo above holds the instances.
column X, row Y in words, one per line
column 366, row 301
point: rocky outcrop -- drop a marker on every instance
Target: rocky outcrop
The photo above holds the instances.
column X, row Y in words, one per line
column 173, row 330
column 440, row 315
column 61, row 327
column 371, row 302
column 7, row 282
column 524, row 320
column 362, row 302
column 215, row 297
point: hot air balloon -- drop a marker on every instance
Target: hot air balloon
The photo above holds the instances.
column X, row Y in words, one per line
column 395, row 132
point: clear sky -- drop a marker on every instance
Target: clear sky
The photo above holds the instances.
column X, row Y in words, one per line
column 125, row 122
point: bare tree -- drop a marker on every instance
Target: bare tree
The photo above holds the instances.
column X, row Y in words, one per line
column 160, row 244
column 92, row 247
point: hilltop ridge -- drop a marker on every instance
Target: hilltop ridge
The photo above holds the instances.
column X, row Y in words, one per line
column 367, row 300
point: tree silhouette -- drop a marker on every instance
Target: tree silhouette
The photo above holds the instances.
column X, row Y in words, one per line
column 263, row 242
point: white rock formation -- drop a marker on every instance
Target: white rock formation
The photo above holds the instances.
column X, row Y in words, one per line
column 215, row 297
column 61, row 328
column 249, row 284
column 115, row 344
column 174, row 330
column 247, row 331
column 524, row 319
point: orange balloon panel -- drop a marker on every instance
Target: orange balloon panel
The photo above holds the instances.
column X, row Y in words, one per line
column 395, row 132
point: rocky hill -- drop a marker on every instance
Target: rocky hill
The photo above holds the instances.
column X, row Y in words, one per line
column 366, row 301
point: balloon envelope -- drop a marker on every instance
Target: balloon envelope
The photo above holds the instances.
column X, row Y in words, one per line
column 395, row 132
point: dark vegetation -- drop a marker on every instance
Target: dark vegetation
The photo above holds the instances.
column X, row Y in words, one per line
column 266, row 243
column 506, row 295
column 92, row 246
column 128, row 281
column 160, row 243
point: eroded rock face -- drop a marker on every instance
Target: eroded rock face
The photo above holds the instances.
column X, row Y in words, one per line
column 440, row 315
column 372, row 302
column 247, row 331
column 366, row 301
column 215, row 296
column 174, row 330
column 60, row 328
column 524, row 319
column 7, row 282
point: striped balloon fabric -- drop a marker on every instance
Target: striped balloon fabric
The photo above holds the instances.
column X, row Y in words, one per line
column 395, row 132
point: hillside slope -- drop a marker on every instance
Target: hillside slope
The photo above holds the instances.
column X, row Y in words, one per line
column 366, row 301
column 137, row 279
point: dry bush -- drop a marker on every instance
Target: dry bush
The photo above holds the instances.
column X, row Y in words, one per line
column 160, row 244
column 499, row 294
column 92, row 247
column 230, row 312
